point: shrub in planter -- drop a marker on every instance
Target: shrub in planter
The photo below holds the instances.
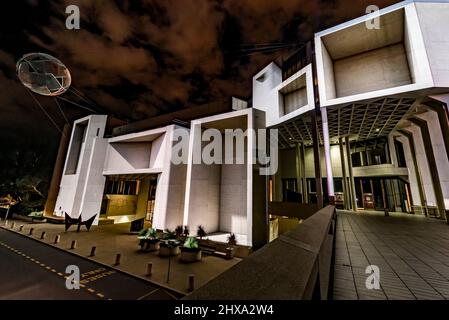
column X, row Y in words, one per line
column 186, row 231
column 190, row 251
column 169, row 248
column 148, row 240
column 201, row 232
column 169, row 235
column 178, row 231
column 232, row 241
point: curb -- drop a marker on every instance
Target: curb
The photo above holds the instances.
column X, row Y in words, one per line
column 103, row 264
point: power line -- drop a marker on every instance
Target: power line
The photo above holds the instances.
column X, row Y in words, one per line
column 44, row 111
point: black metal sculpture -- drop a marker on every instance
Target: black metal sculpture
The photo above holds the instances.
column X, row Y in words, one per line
column 69, row 221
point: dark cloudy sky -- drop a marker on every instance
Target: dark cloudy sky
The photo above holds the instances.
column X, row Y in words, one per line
column 141, row 58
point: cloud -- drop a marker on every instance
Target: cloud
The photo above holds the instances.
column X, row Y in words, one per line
column 140, row 59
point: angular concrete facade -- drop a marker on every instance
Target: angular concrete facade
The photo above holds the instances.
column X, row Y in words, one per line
column 361, row 114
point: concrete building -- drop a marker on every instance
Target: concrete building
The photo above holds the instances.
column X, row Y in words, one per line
column 362, row 118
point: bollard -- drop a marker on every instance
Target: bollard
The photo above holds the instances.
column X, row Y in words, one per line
column 73, row 246
column 43, row 235
column 31, row 232
column 92, row 252
column 117, row 259
column 21, row 228
column 6, row 223
column 191, row 286
column 57, row 238
column 12, row 225
column 149, row 269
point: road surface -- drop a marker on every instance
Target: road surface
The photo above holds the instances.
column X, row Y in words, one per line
column 33, row 270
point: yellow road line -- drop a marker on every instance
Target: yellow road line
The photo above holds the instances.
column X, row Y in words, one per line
column 91, row 275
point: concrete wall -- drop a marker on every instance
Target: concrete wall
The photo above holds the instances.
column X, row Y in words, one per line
column 219, row 196
column 264, row 97
column 233, row 194
column 128, row 155
column 176, row 196
column 121, row 205
column 434, row 23
column 374, row 70
column 81, row 192
column 294, row 100
column 169, row 205
column 95, row 181
column 356, row 63
column 282, row 100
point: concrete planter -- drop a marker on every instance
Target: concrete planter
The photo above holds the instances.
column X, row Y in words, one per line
column 167, row 251
column 150, row 246
column 190, row 255
column 230, row 252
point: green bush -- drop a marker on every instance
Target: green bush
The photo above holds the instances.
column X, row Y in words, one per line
column 147, row 233
column 191, row 243
column 36, row 214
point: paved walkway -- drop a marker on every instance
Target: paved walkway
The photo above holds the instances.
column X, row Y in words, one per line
column 113, row 239
column 412, row 253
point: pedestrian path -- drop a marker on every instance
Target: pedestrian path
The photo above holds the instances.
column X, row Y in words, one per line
column 412, row 253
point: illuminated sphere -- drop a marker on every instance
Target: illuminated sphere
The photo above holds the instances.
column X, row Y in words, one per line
column 43, row 74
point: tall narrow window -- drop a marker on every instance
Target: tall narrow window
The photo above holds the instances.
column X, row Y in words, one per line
column 79, row 135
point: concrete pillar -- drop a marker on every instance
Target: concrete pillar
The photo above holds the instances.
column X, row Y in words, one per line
column 298, row 169
column 351, row 175
column 436, row 149
column 441, row 109
column 316, row 158
column 347, row 198
column 392, row 151
column 327, row 156
column 142, row 198
column 303, row 173
column 424, row 167
column 277, row 181
column 416, row 187
column 53, row 190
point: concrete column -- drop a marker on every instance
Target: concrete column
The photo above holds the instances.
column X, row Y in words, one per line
column 424, row 167
column 303, row 172
column 316, row 158
column 441, row 110
column 53, row 190
column 413, row 169
column 277, row 182
column 437, row 149
column 392, row 151
column 142, row 198
column 343, row 170
column 351, row 175
column 327, row 156
column 298, row 169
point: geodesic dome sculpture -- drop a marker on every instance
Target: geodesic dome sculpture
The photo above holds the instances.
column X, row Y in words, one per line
column 43, row 74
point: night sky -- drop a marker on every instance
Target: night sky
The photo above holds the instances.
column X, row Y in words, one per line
column 137, row 59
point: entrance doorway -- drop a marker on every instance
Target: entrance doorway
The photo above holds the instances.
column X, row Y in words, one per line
column 378, row 193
